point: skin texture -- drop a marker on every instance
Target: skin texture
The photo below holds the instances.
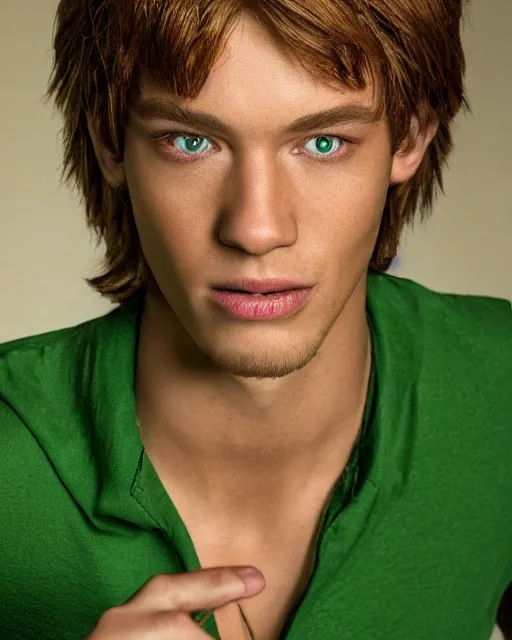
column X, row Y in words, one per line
column 248, row 415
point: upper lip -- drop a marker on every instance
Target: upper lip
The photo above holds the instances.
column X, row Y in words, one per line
column 261, row 286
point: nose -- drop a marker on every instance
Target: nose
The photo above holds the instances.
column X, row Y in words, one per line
column 258, row 212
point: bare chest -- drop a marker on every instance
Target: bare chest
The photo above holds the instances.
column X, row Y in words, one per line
column 286, row 566
column 283, row 549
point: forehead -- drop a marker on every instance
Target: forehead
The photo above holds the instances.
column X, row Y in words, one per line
column 257, row 82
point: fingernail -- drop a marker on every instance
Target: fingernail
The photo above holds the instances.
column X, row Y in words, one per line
column 251, row 577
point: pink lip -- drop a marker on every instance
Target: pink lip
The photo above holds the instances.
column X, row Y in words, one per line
column 247, row 306
column 261, row 286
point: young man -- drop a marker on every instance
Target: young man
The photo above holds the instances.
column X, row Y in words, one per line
column 350, row 436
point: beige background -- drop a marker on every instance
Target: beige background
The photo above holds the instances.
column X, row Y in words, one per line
column 46, row 250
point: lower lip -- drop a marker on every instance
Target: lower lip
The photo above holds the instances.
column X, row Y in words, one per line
column 250, row 307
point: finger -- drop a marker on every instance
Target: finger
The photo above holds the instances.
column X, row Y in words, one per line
column 197, row 590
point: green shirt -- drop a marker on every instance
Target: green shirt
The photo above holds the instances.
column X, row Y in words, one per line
column 416, row 542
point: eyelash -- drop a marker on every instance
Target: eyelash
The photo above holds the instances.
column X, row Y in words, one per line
column 163, row 142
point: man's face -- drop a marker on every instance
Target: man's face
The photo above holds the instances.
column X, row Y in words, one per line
column 257, row 203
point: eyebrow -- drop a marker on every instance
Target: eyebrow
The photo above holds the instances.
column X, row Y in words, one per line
column 156, row 108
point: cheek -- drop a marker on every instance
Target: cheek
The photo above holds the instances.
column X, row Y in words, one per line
column 167, row 211
column 368, row 191
column 349, row 208
column 347, row 217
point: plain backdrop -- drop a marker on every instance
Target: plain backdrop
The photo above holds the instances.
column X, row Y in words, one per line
column 46, row 249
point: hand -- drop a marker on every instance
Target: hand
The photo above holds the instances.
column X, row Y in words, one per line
column 161, row 608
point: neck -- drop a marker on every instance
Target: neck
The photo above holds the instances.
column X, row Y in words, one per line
column 237, row 441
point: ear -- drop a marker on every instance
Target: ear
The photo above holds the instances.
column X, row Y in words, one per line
column 111, row 168
column 408, row 157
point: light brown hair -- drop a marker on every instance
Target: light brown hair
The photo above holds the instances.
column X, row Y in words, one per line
column 412, row 49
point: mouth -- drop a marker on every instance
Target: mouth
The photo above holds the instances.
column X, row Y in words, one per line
column 260, row 287
column 242, row 304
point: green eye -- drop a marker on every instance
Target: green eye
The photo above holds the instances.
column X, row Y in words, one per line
column 323, row 145
column 191, row 144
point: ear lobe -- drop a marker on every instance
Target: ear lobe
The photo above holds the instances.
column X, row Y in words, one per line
column 112, row 170
column 409, row 156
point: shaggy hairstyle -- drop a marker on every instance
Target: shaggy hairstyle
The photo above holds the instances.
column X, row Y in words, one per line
column 412, row 49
